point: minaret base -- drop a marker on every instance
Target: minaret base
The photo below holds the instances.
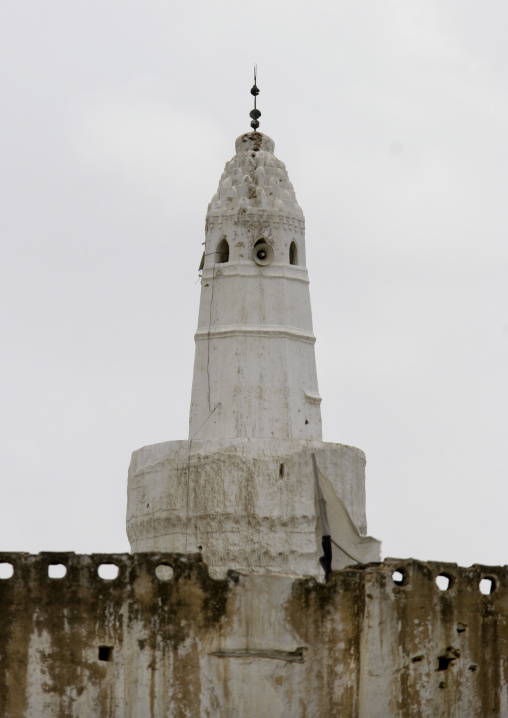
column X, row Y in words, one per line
column 246, row 504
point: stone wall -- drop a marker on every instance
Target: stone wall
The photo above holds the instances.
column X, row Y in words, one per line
column 164, row 639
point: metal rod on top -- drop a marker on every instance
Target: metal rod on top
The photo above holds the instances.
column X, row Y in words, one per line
column 255, row 114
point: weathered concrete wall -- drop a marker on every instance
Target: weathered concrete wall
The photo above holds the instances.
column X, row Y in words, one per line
column 250, row 646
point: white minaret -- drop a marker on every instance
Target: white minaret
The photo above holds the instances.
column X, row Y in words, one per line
column 241, row 488
column 255, row 371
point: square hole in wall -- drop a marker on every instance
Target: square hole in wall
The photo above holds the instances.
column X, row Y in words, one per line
column 105, row 653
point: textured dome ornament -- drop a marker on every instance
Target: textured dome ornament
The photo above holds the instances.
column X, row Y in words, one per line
column 255, row 114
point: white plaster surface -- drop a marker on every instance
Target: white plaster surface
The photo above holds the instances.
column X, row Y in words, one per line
column 255, row 370
column 248, row 503
column 241, row 489
column 246, row 654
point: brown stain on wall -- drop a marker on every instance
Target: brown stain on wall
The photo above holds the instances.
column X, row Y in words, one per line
column 328, row 618
column 365, row 643
column 81, row 612
column 16, row 626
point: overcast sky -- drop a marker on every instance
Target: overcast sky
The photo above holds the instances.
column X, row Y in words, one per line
column 116, row 120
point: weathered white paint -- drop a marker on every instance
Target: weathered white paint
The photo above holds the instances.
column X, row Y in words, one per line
column 255, row 370
column 247, row 504
column 241, row 489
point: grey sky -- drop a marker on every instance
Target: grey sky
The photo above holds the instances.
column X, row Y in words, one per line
column 117, row 119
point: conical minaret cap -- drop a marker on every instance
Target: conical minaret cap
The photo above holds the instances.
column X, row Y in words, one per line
column 255, row 179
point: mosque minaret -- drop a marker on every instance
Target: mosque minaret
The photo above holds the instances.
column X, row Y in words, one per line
column 255, row 366
column 241, row 488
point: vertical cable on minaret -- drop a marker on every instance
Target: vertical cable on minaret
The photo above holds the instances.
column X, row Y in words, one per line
column 255, row 113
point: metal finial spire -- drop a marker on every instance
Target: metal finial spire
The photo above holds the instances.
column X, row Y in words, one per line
column 255, row 113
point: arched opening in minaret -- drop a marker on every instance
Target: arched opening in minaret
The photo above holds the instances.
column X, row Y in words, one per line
column 222, row 252
column 293, row 253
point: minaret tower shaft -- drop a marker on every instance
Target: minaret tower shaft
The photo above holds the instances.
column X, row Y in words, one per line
column 241, row 488
column 255, row 370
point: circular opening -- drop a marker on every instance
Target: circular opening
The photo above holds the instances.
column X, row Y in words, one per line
column 57, row 570
column 399, row 577
column 6, row 570
column 443, row 582
column 164, row 572
column 487, row 586
column 108, row 571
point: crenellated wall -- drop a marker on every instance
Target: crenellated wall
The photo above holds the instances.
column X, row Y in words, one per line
column 164, row 639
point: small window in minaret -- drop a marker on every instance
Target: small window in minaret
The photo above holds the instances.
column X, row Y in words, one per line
column 222, row 252
column 293, row 253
